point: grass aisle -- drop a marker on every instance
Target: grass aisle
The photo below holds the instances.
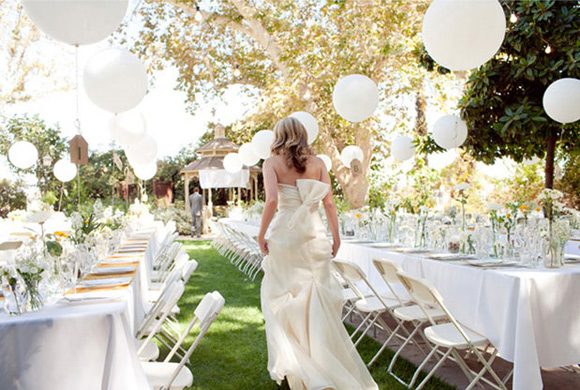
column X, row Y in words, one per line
column 233, row 354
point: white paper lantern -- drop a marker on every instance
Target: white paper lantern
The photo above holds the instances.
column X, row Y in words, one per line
column 326, row 160
column 145, row 171
column 355, row 97
column 462, row 35
column 247, row 155
column 349, row 153
column 402, row 148
column 450, row 131
column 22, row 154
column 262, row 143
column 562, row 100
column 232, row 163
column 64, row 170
column 77, row 22
column 309, row 122
column 127, row 127
column 142, row 152
column 115, row 80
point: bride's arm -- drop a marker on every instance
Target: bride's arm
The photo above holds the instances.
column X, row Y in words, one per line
column 271, row 203
column 331, row 215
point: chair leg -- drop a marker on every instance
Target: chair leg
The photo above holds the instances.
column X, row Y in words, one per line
column 435, row 368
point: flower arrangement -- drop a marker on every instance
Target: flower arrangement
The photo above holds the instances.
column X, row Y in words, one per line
column 21, row 280
column 559, row 229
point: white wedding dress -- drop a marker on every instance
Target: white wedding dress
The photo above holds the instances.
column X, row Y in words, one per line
column 302, row 302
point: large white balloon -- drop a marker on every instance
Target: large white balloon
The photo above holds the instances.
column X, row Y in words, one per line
column 115, row 80
column 142, row 152
column 349, row 153
column 22, row 154
column 462, row 35
column 64, row 170
column 355, row 97
column 145, row 171
column 402, row 148
column 77, row 22
column 562, row 100
column 450, row 131
column 262, row 142
column 326, row 160
column 127, row 127
column 247, row 155
column 232, row 163
column 309, row 122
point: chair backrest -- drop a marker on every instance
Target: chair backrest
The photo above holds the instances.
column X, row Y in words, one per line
column 349, row 271
column 388, row 271
column 425, row 295
column 209, row 308
column 354, row 274
column 161, row 309
column 188, row 268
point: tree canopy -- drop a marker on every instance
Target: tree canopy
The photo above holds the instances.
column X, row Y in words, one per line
column 292, row 53
column 502, row 103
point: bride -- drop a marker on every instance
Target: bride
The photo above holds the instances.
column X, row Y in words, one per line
column 301, row 300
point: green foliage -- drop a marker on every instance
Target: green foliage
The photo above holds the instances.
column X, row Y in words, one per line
column 175, row 212
column 502, row 103
column 424, row 181
column 12, row 197
column 569, row 184
column 48, row 141
column 169, row 169
column 525, row 185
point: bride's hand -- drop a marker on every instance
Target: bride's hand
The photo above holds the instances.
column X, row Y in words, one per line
column 263, row 246
column 335, row 246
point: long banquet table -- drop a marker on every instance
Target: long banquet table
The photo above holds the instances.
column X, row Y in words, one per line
column 84, row 343
column 531, row 316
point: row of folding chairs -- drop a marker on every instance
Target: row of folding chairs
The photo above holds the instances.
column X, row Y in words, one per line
column 419, row 318
column 172, row 269
column 239, row 248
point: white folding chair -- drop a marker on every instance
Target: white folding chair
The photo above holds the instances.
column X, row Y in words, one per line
column 154, row 320
column 167, row 375
column 449, row 335
column 374, row 305
column 406, row 313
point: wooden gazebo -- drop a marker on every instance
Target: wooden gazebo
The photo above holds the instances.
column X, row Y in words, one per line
column 211, row 158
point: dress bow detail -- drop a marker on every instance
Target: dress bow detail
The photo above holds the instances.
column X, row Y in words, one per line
column 311, row 193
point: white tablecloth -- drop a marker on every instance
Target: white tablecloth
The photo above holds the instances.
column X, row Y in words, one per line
column 88, row 345
column 531, row 316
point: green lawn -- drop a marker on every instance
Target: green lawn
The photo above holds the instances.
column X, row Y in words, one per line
column 233, row 354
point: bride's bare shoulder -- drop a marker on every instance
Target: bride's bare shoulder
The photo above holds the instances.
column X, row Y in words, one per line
column 273, row 160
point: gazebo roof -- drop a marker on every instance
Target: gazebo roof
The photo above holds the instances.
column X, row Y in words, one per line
column 213, row 153
column 210, row 162
column 220, row 145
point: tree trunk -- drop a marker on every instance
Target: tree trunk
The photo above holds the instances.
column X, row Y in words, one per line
column 550, row 152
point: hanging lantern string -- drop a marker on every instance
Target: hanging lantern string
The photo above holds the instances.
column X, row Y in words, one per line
column 77, row 121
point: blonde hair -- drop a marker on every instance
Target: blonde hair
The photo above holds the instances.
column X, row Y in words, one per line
column 291, row 141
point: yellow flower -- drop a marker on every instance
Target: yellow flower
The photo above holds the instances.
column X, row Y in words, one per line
column 358, row 215
column 524, row 208
column 60, row 234
column 508, row 215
